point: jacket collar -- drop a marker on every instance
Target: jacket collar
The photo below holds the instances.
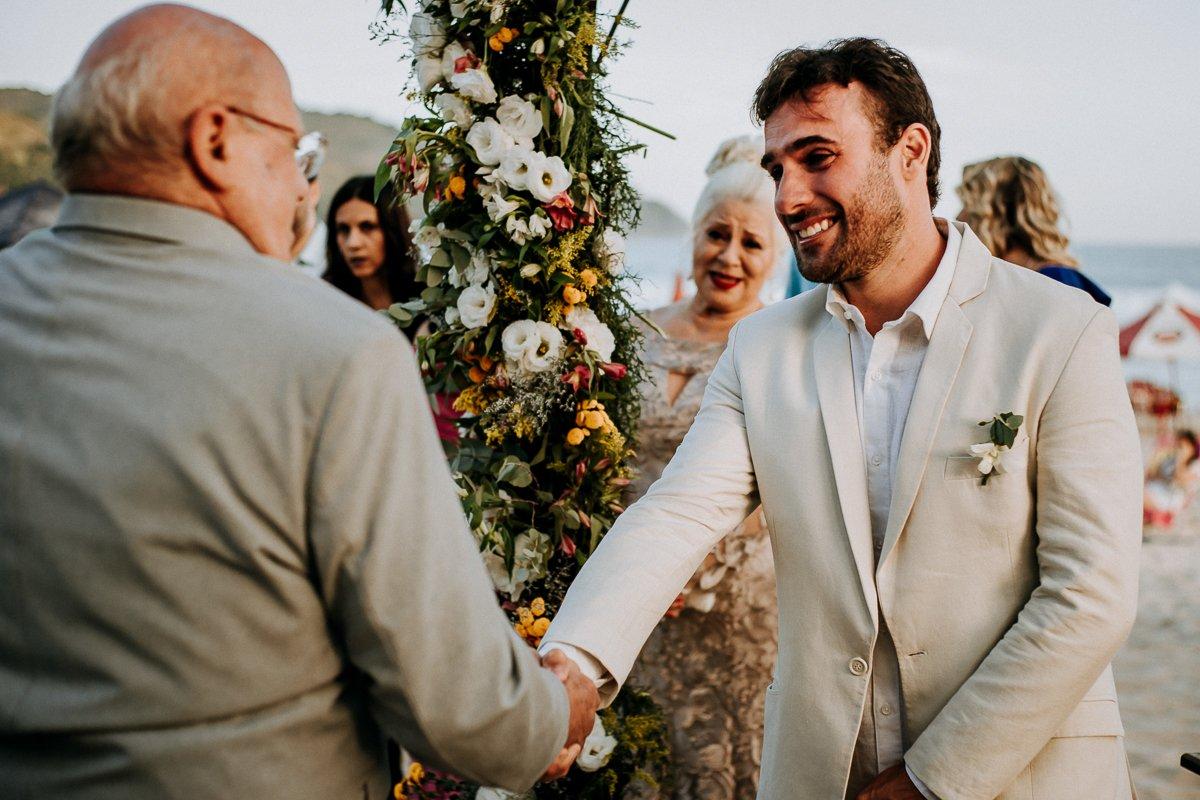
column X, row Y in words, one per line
column 152, row 220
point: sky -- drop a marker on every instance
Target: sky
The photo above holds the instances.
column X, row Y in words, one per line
column 1102, row 94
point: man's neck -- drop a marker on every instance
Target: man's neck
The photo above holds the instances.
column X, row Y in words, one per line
column 887, row 292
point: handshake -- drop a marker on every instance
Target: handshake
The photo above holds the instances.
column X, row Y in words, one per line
column 584, row 701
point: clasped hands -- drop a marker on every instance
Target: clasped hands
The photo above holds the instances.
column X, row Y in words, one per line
column 584, row 701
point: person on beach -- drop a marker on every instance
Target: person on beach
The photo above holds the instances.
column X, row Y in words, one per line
column 232, row 553
column 947, row 461
column 1009, row 204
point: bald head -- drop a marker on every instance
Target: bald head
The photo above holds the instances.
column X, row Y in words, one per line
column 122, row 114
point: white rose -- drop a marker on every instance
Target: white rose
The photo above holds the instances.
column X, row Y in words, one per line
column 453, row 52
column 597, row 748
column 539, row 225
column 519, row 117
column 548, row 177
column 517, row 229
column 600, row 339
column 474, row 84
column 514, row 167
column 610, row 250
column 429, row 72
column 454, row 109
column 427, row 34
column 498, row 206
column 475, row 305
column 489, row 141
column 532, row 346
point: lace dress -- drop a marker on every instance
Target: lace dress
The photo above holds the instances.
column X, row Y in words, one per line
column 709, row 666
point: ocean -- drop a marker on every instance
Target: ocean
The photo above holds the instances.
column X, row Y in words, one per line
column 1135, row 275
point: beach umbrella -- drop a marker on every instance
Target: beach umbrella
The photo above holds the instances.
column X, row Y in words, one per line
column 1169, row 331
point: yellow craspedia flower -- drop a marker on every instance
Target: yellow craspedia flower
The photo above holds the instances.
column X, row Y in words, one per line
column 521, row 630
column 576, row 436
column 416, row 772
column 593, row 419
column 588, row 279
column 573, row 295
column 540, row 626
column 525, row 615
column 538, row 607
column 398, row 792
column 506, row 35
column 496, row 43
column 457, row 187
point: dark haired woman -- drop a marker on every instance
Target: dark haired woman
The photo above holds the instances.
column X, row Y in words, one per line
column 368, row 249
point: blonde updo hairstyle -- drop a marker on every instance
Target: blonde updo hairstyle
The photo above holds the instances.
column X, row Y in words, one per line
column 1009, row 203
column 735, row 173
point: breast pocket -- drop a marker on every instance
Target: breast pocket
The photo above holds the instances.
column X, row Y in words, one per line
column 964, row 467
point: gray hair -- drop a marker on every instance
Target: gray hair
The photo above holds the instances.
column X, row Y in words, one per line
column 734, row 173
column 128, row 109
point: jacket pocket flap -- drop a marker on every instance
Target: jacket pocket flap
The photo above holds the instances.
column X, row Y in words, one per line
column 1092, row 718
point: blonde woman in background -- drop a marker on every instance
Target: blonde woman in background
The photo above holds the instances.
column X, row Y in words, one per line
column 710, row 661
column 1009, row 203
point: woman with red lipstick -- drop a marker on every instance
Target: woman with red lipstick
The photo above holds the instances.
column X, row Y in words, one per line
column 725, row 622
column 368, row 248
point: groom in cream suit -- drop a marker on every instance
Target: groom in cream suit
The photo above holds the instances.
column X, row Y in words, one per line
column 944, row 633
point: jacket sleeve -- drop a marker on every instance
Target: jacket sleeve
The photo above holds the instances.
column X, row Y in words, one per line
column 1088, row 525
column 647, row 557
column 406, row 591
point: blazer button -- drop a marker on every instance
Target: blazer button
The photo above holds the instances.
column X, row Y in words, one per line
column 858, row 666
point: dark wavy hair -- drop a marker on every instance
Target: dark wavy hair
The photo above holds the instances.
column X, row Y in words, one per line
column 398, row 264
column 897, row 89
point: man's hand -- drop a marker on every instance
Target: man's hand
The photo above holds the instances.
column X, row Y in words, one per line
column 891, row 784
column 584, row 702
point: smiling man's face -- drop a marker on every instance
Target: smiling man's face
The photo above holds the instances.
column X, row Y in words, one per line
column 835, row 188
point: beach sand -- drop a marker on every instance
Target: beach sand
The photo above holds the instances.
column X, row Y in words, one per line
column 1158, row 670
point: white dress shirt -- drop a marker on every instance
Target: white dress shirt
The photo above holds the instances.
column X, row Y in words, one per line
column 885, row 368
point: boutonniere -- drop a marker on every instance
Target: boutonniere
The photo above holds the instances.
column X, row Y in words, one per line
column 1002, row 432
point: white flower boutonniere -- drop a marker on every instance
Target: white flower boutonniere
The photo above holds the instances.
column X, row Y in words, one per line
column 1002, row 432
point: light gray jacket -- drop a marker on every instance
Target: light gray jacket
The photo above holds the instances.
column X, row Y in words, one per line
column 231, row 554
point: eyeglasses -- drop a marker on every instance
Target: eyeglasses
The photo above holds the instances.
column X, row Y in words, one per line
column 279, row 126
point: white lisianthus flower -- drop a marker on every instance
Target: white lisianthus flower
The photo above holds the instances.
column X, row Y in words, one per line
column 492, row 793
column 539, row 225
column 991, row 457
column 600, row 339
column 474, row 84
column 610, row 251
column 531, row 346
column 459, row 10
column 475, row 306
column 454, row 109
column 499, row 8
column 514, row 167
column 427, row 34
column 498, row 206
column 548, row 177
column 429, row 72
column 489, row 141
column 451, row 316
column 519, row 117
column 597, row 748
column 517, row 229
column 538, row 47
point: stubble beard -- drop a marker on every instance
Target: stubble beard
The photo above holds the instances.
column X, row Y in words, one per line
column 871, row 225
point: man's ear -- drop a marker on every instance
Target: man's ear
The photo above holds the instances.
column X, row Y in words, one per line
column 207, row 134
column 914, row 148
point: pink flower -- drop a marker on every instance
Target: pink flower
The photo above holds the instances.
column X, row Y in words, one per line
column 614, row 370
column 567, row 546
column 580, row 336
column 465, row 62
column 562, row 211
column 578, row 378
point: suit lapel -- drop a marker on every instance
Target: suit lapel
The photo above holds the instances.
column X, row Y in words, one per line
column 835, row 392
column 943, row 359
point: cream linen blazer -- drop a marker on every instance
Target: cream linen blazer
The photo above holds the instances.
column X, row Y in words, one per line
column 1006, row 601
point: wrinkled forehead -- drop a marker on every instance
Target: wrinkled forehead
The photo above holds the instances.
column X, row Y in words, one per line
column 841, row 114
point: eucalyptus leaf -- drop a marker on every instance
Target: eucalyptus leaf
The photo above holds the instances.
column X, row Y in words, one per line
column 564, row 127
column 439, row 258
